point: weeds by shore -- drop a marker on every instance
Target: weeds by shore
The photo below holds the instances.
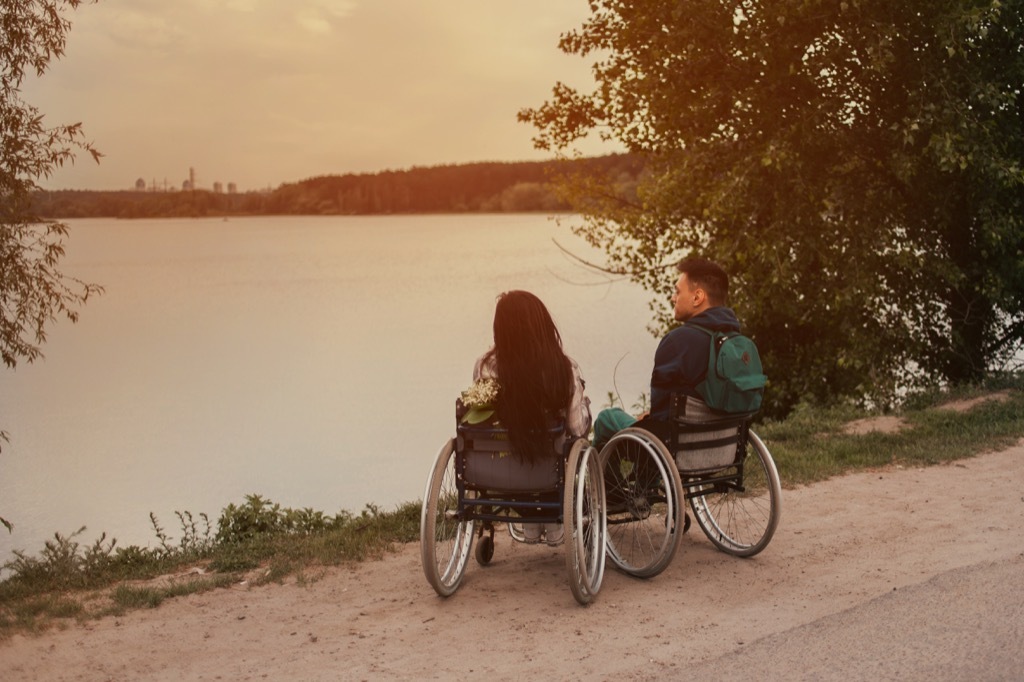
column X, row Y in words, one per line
column 260, row 542
column 257, row 541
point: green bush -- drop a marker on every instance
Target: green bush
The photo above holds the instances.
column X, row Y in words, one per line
column 260, row 517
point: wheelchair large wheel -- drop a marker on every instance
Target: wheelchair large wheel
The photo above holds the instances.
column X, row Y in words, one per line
column 741, row 522
column 445, row 540
column 644, row 510
column 583, row 514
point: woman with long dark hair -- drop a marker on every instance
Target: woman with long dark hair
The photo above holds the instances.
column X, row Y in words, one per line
column 538, row 382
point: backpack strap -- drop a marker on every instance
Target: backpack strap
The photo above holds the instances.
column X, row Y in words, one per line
column 711, row 333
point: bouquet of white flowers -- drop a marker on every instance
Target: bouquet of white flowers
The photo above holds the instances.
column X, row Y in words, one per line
column 480, row 400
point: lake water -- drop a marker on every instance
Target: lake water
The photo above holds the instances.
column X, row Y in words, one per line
column 312, row 360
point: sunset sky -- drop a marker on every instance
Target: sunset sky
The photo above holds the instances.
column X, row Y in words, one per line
column 261, row 92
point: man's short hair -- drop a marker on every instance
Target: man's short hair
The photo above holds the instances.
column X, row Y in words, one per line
column 707, row 275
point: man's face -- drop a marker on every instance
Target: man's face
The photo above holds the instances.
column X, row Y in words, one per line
column 688, row 300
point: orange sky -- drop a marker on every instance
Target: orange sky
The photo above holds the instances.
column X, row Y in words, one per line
column 260, row 92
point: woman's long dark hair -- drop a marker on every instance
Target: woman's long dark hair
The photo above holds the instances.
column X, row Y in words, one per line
column 534, row 373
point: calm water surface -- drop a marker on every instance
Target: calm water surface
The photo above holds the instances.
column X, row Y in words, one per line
column 314, row 361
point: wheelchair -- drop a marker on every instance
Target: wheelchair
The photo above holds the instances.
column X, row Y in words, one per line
column 713, row 462
column 477, row 482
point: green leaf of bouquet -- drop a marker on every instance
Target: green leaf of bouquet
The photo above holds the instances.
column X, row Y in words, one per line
column 477, row 415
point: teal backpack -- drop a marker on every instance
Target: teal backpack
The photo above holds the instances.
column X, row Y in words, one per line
column 735, row 381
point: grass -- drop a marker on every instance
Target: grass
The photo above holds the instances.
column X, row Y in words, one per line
column 260, row 542
column 126, row 596
column 812, row 445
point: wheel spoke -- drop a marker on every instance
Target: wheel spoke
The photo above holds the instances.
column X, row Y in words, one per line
column 643, row 514
column 741, row 521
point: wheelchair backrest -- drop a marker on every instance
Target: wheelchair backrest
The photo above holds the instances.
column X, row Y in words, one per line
column 486, row 461
column 703, row 440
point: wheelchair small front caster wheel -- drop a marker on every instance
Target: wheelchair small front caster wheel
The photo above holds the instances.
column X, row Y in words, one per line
column 485, row 550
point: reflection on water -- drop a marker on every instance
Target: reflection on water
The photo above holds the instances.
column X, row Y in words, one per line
column 312, row 360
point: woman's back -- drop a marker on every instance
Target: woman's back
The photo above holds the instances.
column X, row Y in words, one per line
column 537, row 380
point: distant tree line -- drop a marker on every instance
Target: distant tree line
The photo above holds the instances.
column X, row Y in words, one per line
column 464, row 188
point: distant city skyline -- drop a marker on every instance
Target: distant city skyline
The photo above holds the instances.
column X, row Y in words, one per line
column 217, row 186
column 260, row 93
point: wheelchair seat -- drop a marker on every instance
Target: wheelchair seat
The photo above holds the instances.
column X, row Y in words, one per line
column 487, row 462
column 702, row 440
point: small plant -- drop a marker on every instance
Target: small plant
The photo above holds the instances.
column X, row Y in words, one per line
column 6, row 524
column 160, row 534
column 254, row 518
column 193, row 543
column 62, row 564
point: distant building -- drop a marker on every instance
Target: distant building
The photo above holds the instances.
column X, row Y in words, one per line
column 232, row 188
column 186, row 186
column 218, row 188
column 140, row 185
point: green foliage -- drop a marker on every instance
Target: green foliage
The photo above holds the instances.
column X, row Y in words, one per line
column 259, row 517
column 298, row 537
column 193, row 542
column 258, row 534
column 813, row 445
column 64, row 564
column 857, row 167
column 33, row 292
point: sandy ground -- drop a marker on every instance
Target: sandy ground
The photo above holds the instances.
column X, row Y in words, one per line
column 901, row 573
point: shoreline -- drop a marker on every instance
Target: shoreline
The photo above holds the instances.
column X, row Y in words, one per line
column 847, row 552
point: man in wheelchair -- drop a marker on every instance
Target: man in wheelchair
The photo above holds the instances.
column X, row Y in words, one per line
column 694, row 449
column 681, row 360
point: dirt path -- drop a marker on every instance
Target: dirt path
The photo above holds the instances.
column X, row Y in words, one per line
column 854, row 560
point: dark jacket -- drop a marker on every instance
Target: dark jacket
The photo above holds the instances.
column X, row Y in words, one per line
column 681, row 361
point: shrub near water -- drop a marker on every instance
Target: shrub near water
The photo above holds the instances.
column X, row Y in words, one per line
column 68, row 574
column 261, row 531
column 813, row 445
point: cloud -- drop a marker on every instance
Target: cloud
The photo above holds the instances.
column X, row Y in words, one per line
column 321, row 15
column 135, row 30
column 241, row 5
